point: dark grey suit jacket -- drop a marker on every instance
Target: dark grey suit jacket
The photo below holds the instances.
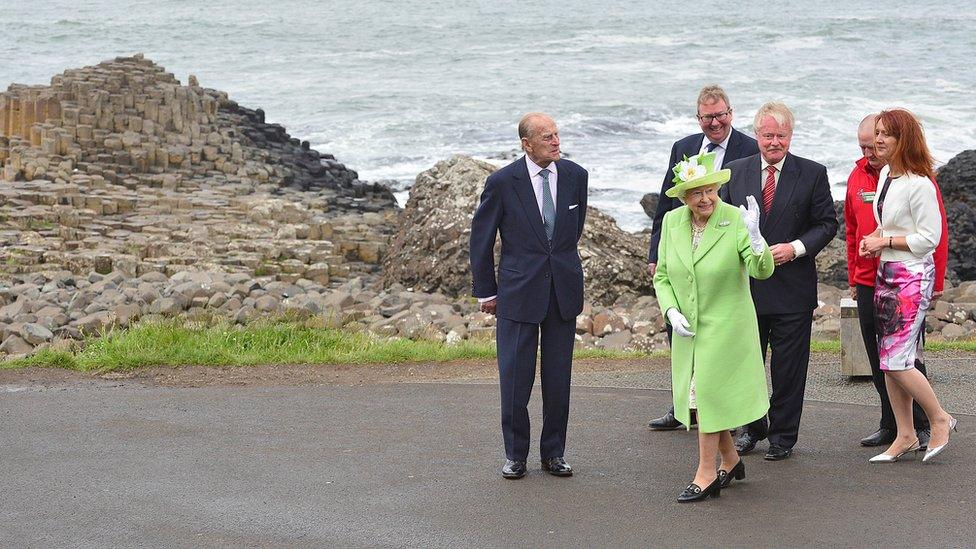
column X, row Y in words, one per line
column 802, row 210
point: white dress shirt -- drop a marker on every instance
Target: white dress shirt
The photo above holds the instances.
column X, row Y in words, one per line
column 719, row 150
column 537, row 181
column 798, row 248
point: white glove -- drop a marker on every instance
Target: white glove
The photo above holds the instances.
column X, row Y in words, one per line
column 751, row 218
column 679, row 323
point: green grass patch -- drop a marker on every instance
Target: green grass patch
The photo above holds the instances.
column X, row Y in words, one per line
column 178, row 343
column 289, row 341
column 833, row 346
column 828, row 346
column 959, row 345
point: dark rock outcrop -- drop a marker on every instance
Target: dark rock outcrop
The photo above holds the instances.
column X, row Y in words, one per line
column 302, row 167
column 961, row 218
column 649, row 203
column 958, row 179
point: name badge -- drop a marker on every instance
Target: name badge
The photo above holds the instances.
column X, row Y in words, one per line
column 867, row 197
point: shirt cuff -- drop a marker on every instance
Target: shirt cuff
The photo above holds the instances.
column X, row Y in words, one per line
column 798, row 248
column 484, row 299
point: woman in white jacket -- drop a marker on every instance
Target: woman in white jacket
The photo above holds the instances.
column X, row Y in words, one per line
column 909, row 229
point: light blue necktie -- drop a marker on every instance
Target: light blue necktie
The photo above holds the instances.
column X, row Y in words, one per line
column 548, row 207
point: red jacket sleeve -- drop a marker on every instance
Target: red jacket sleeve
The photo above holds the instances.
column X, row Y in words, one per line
column 850, row 228
column 942, row 250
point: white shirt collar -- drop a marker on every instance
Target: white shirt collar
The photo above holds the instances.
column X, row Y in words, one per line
column 724, row 145
column 534, row 168
column 779, row 165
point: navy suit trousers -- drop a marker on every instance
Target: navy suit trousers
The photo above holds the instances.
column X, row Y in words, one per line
column 789, row 337
column 517, row 344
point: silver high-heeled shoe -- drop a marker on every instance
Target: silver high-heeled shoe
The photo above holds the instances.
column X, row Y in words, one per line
column 888, row 458
column 938, row 449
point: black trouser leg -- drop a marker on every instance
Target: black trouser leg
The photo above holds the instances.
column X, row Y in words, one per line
column 918, row 414
column 865, row 317
column 788, row 337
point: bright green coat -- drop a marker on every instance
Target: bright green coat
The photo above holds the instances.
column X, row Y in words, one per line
column 711, row 288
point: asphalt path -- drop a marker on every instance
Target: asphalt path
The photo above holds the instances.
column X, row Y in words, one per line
column 417, row 465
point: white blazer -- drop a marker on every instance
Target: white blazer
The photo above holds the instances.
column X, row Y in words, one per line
column 910, row 209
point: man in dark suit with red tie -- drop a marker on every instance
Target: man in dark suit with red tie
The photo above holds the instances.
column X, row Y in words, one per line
column 797, row 218
column 538, row 205
column 718, row 136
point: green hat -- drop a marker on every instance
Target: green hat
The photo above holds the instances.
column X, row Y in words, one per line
column 697, row 171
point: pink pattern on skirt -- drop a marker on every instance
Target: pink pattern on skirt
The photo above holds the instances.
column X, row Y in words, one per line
column 902, row 294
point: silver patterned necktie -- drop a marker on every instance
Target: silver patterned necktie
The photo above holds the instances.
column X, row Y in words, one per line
column 548, row 207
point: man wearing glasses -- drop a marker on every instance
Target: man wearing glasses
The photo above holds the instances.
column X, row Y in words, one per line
column 728, row 144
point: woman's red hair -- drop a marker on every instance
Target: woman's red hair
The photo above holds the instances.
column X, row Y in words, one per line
column 911, row 154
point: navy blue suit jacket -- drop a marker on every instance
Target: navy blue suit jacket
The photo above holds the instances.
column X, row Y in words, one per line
column 803, row 210
column 740, row 146
column 528, row 265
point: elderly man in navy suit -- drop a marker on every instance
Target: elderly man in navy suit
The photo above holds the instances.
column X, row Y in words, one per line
column 718, row 136
column 797, row 218
column 538, row 205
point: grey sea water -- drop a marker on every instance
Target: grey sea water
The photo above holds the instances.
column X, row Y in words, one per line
column 391, row 87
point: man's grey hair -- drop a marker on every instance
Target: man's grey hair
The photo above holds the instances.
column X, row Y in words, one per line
column 710, row 93
column 775, row 109
column 525, row 123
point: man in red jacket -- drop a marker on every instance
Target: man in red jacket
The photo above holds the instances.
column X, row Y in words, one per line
column 861, row 272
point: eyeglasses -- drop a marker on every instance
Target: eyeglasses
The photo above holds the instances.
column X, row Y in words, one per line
column 721, row 116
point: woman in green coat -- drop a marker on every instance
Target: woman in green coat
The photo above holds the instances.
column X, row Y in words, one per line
column 707, row 253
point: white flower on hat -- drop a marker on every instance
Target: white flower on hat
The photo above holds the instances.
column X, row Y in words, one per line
column 690, row 169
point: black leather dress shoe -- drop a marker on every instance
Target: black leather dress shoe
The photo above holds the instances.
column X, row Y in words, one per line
column 513, row 469
column 557, row 466
column 746, row 443
column 881, row 437
column 923, row 438
column 695, row 493
column 738, row 473
column 668, row 422
column 777, row 453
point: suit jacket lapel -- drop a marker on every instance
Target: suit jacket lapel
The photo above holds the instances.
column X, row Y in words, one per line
column 681, row 238
column 713, row 233
column 565, row 191
column 735, row 143
column 753, row 186
column 526, row 195
column 692, row 148
column 784, row 192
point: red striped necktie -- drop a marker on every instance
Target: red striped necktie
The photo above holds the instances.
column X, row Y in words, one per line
column 769, row 189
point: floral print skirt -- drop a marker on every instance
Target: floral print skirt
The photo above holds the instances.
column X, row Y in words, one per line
column 902, row 294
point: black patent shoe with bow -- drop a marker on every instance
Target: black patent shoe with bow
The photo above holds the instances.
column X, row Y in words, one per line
column 695, row 493
column 738, row 473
